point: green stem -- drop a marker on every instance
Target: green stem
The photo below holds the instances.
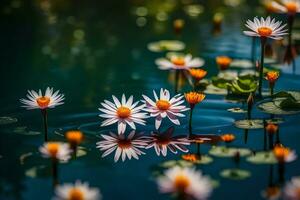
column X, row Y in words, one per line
column 176, row 81
column 190, row 120
column 261, row 68
column 45, row 121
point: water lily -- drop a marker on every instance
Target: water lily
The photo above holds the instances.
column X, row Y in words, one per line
column 56, row 151
column 193, row 98
column 165, row 107
column 223, row 62
column 185, row 183
column 74, row 138
column 265, row 28
column 122, row 112
column 36, row 100
column 272, row 77
column 77, row 191
column 179, row 63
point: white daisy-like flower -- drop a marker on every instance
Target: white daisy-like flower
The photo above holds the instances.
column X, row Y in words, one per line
column 124, row 146
column 77, row 191
column 287, row 6
column 186, row 182
column 124, row 112
column 36, row 100
column 161, row 142
column 267, row 28
column 56, row 150
column 292, row 189
column 164, row 106
column 179, row 62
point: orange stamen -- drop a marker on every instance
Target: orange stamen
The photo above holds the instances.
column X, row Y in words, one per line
column 75, row 194
column 163, row 105
column 264, row 31
column 124, row 144
column 43, row 101
column 281, row 153
column 272, row 76
column 123, row 112
column 53, row 148
column 181, row 182
column 190, row 157
column 178, row 61
column 271, row 128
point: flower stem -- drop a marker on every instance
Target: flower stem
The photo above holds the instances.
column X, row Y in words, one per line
column 261, row 68
column 281, row 171
column 55, row 171
column 246, row 135
column 190, row 120
column 177, row 73
column 45, row 121
column 271, row 145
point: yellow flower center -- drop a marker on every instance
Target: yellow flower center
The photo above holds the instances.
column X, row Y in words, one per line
column 264, row 31
column 163, row 104
column 74, row 137
column 223, row 62
column 123, row 112
column 53, row 148
column 194, row 97
column 75, row 194
column 291, row 7
column 181, row 182
column 198, row 74
column 178, row 61
column 124, row 144
column 43, row 101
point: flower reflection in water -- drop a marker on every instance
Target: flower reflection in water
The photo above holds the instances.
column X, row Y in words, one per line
column 161, row 142
column 124, row 146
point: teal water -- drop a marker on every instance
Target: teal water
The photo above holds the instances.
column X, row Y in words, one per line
column 91, row 50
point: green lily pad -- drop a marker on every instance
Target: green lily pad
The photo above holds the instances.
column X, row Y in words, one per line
column 262, row 158
column 203, row 159
column 172, row 163
column 274, row 107
column 22, row 130
column 239, row 63
column 211, row 89
column 228, row 75
column 235, row 174
column 243, row 85
column 275, row 120
column 222, row 151
column 237, row 110
column 38, row 171
column 7, row 120
column 220, row 82
column 249, row 124
column 166, row 45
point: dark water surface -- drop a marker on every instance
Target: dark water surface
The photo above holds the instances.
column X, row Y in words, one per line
column 91, row 50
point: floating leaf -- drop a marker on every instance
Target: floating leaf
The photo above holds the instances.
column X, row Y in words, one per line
column 222, row 151
column 237, row 110
column 239, row 63
column 262, row 158
column 166, row 45
column 38, row 171
column 22, row 130
column 203, row 159
column 235, row 174
column 220, row 82
column 273, row 107
column 275, row 120
column 211, row 89
column 7, row 120
column 249, row 124
column 228, row 75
